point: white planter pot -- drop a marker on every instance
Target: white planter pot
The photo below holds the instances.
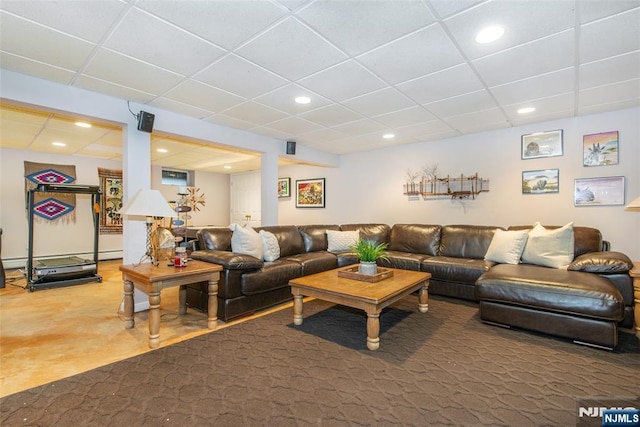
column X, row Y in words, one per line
column 368, row 268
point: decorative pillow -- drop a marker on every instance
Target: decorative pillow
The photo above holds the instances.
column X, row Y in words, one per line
column 341, row 240
column 506, row 246
column 270, row 246
column 245, row 240
column 602, row 262
column 549, row 248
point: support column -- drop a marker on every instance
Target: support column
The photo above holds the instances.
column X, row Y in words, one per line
column 269, row 189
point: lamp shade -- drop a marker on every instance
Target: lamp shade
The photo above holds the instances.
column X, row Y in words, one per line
column 148, row 203
column 634, row 206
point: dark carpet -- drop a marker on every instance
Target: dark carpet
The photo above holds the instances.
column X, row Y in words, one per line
column 444, row 367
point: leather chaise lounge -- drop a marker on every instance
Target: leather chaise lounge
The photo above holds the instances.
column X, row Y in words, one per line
column 586, row 302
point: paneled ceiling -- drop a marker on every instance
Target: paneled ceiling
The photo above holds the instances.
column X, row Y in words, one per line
column 405, row 67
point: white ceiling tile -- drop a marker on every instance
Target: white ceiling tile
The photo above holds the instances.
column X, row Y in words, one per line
column 421, row 53
column 545, row 107
column 293, row 126
column 410, row 116
column 161, row 44
column 35, row 68
column 52, row 47
column 540, row 86
column 254, row 113
column 610, row 70
column 361, row 127
column 622, row 91
column 344, row 81
column 608, row 37
column 592, row 10
column 358, row 26
column 379, row 102
column 221, row 119
column 274, row 133
column 445, row 8
column 114, row 89
column 542, row 56
column 291, row 50
column 88, row 20
column 180, row 108
column 108, row 66
column 225, row 23
column 463, row 104
column 331, row 115
column 422, row 130
column 523, row 22
column 203, row 96
column 611, row 106
column 320, row 136
column 283, row 99
column 240, row 76
column 478, row 121
column 443, row 84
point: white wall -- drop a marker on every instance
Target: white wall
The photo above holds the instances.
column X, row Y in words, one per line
column 367, row 187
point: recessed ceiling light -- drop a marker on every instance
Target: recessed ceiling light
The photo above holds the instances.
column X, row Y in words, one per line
column 388, row 135
column 83, row 124
column 526, row 110
column 59, row 144
column 489, row 34
column 303, row 99
column 227, row 167
column 162, row 150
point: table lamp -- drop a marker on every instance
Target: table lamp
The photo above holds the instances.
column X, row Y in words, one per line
column 152, row 204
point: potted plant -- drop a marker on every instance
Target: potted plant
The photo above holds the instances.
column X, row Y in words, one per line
column 368, row 253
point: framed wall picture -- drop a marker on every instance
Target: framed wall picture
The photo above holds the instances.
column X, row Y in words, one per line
column 111, row 186
column 542, row 144
column 310, row 193
column 541, row 181
column 284, row 187
column 600, row 149
column 607, row 191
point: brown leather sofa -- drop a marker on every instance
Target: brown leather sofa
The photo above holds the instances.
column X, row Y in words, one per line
column 586, row 304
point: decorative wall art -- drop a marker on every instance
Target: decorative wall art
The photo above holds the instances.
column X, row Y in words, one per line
column 51, row 206
column 429, row 183
column 600, row 149
column 540, row 181
column 310, row 193
column 542, row 144
column 284, row 187
column 111, row 201
column 607, row 191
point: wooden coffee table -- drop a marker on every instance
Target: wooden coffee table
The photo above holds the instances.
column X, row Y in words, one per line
column 370, row 297
column 153, row 279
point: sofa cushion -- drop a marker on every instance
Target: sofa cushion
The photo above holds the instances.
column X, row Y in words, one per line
column 289, row 239
column 270, row 246
column 378, row 233
column 341, row 240
column 215, row 238
column 403, row 260
column 506, row 246
column 415, row 238
column 273, row 275
column 602, row 263
column 315, row 236
column 315, row 262
column 466, row 241
column 245, row 240
column 549, row 248
column 453, row 269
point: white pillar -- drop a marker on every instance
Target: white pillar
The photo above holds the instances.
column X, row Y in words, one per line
column 269, row 188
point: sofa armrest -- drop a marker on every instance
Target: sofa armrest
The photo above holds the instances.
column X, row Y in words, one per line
column 602, row 263
column 229, row 260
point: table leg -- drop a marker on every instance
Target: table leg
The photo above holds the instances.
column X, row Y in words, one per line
column 423, row 298
column 154, row 319
column 212, row 306
column 182, row 299
column 636, row 308
column 373, row 331
column 129, row 320
column 297, row 310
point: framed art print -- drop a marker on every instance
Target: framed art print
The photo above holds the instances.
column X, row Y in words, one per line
column 542, row 144
column 607, row 191
column 540, row 181
column 600, row 149
column 310, row 193
column 284, row 187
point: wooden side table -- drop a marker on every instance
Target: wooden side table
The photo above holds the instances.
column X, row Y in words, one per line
column 635, row 274
column 154, row 279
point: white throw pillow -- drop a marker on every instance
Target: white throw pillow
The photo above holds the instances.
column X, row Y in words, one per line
column 506, row 246
column 549, row 248
column 245, row 240
column 270, row 246
column 341, row 240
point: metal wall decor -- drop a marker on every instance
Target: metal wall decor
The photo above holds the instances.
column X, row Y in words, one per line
column 429, row 184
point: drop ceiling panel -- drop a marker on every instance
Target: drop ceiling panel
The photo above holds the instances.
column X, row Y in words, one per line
column 344, row 81
column 549, row 108
column 467, row 103
column 478, row 121
column 254, row 113
column 203, row 96
column 361, row 127
column 293, row 126
column 34, row 68
column 379, row 102
column 358, row 26
column 180, row 108
column 540, row 86
column 592, row 10
column 612, row 36
column 629, row 90
column 331, row 115
column 444, row 84
column 610, row 70
column 117, row 90
column 221, row 119
column 446, row 8
column 410, row 116
column 283, row 99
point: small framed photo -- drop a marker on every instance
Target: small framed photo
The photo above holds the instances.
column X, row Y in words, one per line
column 607, row 191
column 284, row 187
column 541, row 181
column 310, row 193
column 542, row 144
column 600, row 149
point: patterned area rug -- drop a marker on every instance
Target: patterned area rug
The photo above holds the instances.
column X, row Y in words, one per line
column 444, row 367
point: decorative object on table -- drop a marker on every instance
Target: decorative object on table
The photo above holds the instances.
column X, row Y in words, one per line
column 111, row 201
column 432, row 186
column 284, row 187
column 57, row 207
column 310, row 193
column 607, row 191
column 191, row 201
column 352, row 272
column 151, row 204
column 542, row 144
column 600, row 149
column 540, row 181
column 368, row 253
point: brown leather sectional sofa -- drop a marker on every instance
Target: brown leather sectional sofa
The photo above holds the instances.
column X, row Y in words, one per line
column 586, row 303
